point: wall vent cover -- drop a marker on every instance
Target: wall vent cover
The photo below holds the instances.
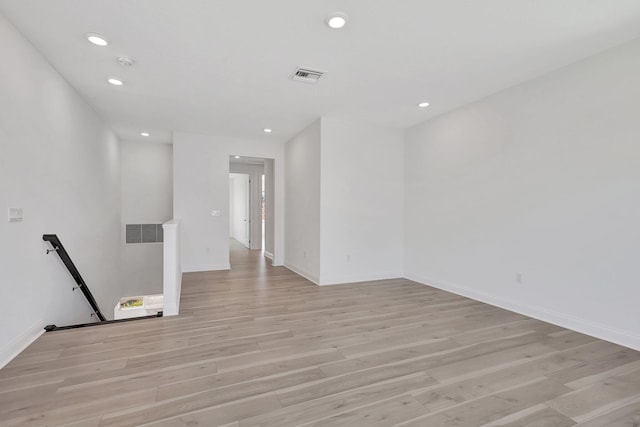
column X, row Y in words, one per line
column 307, row 75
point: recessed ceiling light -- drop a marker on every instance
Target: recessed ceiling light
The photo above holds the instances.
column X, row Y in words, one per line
column 114, row 81
column 237, row 157
column 144, row 133
column 336, row 20
column 423, row 104
column 267, row 130
column 97, row 39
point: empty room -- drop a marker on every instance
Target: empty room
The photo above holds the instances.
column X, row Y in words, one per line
column 237, row 213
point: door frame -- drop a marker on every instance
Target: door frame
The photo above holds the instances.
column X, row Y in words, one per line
column 254, row 172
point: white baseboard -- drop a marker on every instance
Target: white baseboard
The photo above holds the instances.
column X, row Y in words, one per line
column 343, row 280
column 340, row 280
column 302, row 272
column 268, row 255
column 614, row 335
column 19, row 343
column 205, row 267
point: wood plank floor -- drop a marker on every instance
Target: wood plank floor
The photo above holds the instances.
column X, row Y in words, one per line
column 261, row 346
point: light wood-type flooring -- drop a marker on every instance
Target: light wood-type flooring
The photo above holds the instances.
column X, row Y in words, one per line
column 261, row 346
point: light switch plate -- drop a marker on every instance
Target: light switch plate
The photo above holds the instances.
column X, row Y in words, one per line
column 15, row 214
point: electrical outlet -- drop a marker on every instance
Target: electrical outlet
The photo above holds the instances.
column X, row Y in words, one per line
column 348, row 258
column 304, row 254
column 215, row 212
column 519, row 278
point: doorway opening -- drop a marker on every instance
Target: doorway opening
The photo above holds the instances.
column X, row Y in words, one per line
column 251, row 204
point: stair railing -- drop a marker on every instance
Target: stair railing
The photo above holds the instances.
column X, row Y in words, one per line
column 80, row 283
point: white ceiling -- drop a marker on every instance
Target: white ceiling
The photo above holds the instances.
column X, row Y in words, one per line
column 222, row 66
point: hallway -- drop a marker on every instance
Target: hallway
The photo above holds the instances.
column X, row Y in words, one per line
column 260, row 346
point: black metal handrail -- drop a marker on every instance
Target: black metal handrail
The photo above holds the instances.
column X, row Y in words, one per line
column 64, row 256
column 51, row 328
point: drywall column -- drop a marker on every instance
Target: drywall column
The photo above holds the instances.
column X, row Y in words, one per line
column 302, row 253
column 344, row 207
column 361, row 227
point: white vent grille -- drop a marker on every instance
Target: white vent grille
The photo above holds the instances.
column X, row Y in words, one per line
column 307, row 75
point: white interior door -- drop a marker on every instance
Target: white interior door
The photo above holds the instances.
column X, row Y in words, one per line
column 240, row 207
column 247, row 211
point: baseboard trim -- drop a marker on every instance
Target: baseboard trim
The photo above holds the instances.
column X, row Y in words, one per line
column 268, row 255
column 302, row 272
column 345, row 280
column 21, row 342
column 584, row 326
column 205, row 267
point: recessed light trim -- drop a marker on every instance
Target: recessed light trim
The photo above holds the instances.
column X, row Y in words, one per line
column 97, row 39
column 267, row 130
column 145, row 133
column 115, row 81
column 336, row 20
column 423, row 104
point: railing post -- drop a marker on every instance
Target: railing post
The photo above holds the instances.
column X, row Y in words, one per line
column 172, row 268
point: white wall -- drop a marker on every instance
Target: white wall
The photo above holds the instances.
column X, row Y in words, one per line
column 302, row 250
column 239, row 207
column 362, row 200
column 60, row 163
column 147, row 198
column 543, row 180
column 201, row 184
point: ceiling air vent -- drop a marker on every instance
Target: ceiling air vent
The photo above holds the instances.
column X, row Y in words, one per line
column 307, row 75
